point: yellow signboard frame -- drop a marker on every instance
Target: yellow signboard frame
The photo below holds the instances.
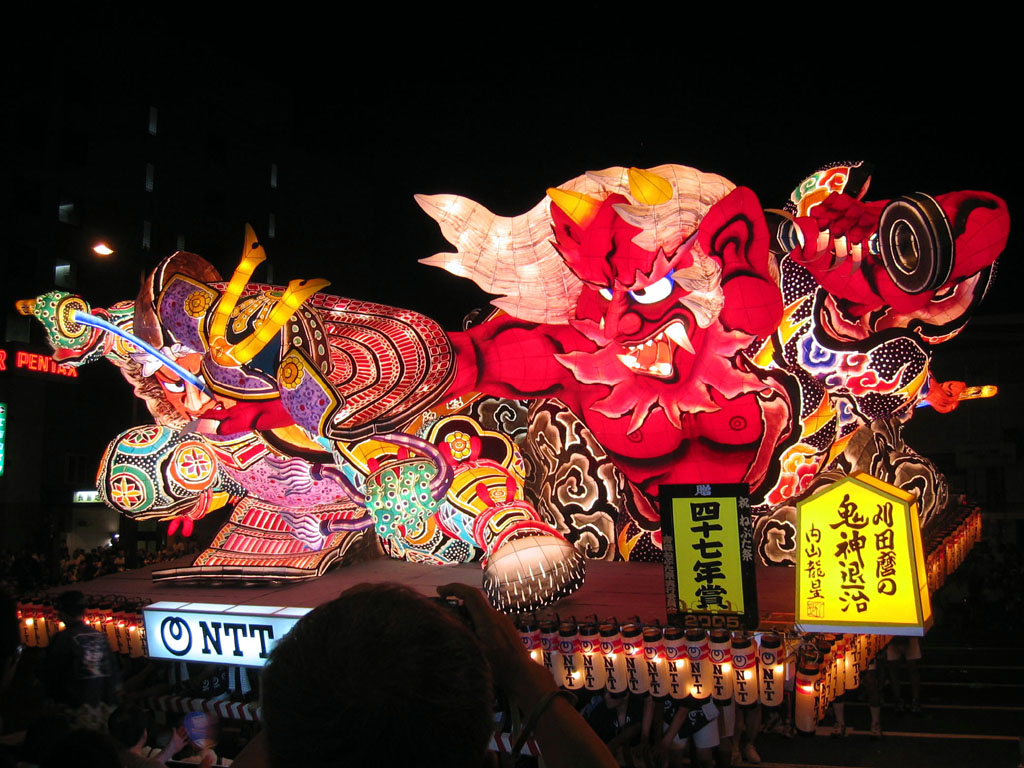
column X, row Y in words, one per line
column 860, row 560
column 708, row 541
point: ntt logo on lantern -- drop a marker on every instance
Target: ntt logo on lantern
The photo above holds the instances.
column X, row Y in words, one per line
column 228, row 634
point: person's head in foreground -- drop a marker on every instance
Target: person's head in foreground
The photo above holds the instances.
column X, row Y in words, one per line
column 379, row 676
column 71, row 606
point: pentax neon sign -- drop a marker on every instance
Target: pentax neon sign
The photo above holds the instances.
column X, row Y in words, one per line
column 33, row 361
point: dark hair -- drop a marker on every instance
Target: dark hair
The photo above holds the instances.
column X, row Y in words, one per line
column 126, row 724
column 71, row 604
column 378, row 676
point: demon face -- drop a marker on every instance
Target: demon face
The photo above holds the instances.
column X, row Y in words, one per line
column 655, row 314
column 652, row 285
column 650, row 307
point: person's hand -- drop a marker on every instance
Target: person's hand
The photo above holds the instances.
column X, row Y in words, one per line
column 654, row 755
column 561, row 732
column 179, row 738
column 177, row 742
column 513, row 671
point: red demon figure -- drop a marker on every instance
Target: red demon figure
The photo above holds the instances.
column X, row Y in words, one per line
column 648, row 302
column 634, row 315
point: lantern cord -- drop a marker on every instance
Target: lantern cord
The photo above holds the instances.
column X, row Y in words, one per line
column 531, row 721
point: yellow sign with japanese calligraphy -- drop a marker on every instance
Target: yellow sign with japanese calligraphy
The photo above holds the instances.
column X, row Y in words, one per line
column 708, row 540
column 860, row 560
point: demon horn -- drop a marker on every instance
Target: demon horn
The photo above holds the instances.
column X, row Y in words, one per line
column 579, row 207
column 649, row 188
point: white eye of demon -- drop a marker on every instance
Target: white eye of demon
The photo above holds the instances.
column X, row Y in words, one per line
column 173, row 386
column 652, row 294
column 605, row 294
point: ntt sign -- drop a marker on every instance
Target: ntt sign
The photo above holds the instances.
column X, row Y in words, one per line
column 243, row 635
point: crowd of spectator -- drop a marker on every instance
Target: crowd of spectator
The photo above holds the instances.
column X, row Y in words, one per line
column 24, row 572
column 984, row 592
column 75, row 702
column 41, row 719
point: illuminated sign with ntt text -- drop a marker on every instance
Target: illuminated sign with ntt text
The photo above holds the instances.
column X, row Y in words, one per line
column 860, row 563
column 242, row 635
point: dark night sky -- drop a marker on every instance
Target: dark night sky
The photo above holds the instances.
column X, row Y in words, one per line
column 502, row 127
column 376, row 119
column 505, row 146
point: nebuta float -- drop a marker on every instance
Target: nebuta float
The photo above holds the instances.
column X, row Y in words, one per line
column 651, row 326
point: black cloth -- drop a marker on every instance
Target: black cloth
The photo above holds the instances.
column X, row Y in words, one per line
column 80, row 669
column 605, row 721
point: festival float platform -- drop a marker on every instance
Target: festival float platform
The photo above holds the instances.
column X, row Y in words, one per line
column 615, row 589
column 612, row 589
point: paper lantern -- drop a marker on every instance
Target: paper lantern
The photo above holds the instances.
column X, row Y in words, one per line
column 529, row 634
column 839, row 665
column 108, row 626
column 658, row 677
column 637, row 679
column 772, row 670
column 594, row 674
column 851, row 663
column 549, row 648
column 698, row 655
column 613, row 649
column 677, row 663
column 26, row 625
column 805, row 716
column 53, row 622
column 745, row 672
column 41, row 627
column 571, row 675
column 722, row 676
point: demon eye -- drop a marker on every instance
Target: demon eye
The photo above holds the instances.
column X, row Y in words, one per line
column 173, row 386
column 654, row 293
column 606, row 293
